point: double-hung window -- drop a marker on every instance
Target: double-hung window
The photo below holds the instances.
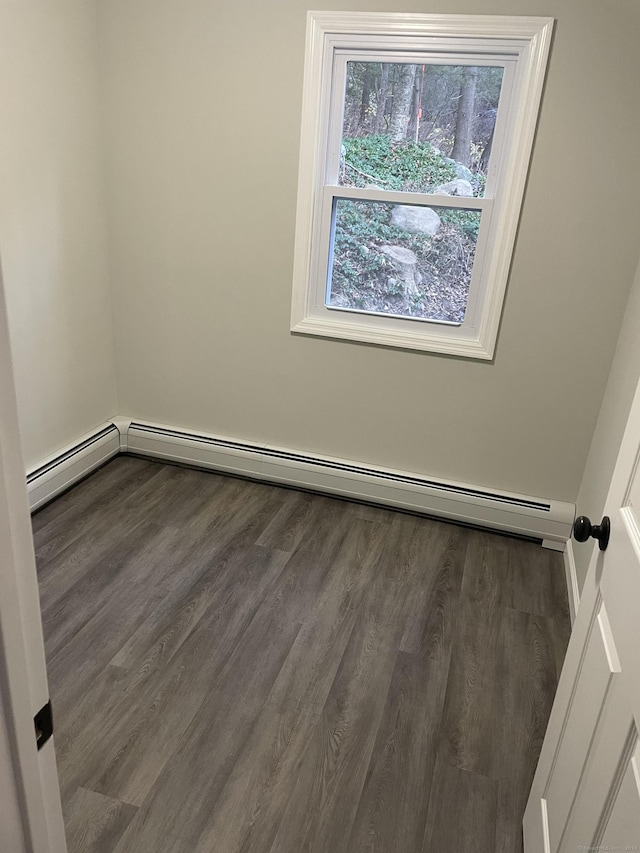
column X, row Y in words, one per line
column 416, row 138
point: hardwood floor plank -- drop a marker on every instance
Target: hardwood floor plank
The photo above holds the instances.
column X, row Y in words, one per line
column 94, row 823
column 309, row 670
column 213, row 742
column 100, row 516
column 471, row 698
column 296, row 593
column 74, row 501
column 323, row 804
column 203, row 555
column 113, row 574
column 72, row 669
column 486, row 578
column 126, row 746
column 462, row 811
column 409, row 543
column 527, row 681
column 225, row 523
column 103, row 692
column 289, row 524
column 231, row 519
column 437, row 580
column 393, row 808
column 69, row 566
column 537, row 580
column 248, row 812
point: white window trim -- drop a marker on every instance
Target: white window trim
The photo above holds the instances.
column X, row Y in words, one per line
column 523, row 39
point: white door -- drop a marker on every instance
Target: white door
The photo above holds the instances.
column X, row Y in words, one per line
column 586, row 791
column 30, row 812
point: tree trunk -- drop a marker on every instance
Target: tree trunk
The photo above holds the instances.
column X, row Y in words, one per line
column 484, row 159
column 405, row 265
column 402, row 94
column 464, row 119
column 381, row 98
column 366, row 95
column 414, row 112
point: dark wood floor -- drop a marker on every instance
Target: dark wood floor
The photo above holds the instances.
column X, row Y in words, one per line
column 238, row 667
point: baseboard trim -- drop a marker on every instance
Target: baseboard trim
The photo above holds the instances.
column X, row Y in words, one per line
column 524, row 515
column 70, row 464
column 573, row 591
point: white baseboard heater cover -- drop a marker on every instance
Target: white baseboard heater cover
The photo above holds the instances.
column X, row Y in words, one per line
column 59, row 471
column 550, row 521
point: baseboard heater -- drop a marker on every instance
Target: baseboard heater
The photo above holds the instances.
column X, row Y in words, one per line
column 549, row 521
column 68, row 465
column 524, row 515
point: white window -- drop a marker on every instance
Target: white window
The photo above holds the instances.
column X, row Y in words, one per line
column 416, row 137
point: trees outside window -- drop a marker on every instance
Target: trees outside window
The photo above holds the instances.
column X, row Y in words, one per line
column 436, row 123
column 416, row 137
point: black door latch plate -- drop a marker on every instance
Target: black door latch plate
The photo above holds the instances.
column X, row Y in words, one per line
column 43, row 722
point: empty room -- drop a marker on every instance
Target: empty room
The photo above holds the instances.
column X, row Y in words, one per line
column 319, row 426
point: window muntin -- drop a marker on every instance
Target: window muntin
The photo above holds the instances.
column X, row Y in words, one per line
column 484, row 221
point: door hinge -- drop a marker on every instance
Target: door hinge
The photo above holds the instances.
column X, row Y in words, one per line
column 43, row 722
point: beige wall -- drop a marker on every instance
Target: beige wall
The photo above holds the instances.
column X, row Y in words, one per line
column 623, row 380
column 52, row 223
column 202, row 114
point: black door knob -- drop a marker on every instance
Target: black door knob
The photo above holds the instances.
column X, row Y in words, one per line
column 583, row 529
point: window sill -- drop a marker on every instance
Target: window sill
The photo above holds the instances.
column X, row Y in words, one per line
column 422, row 338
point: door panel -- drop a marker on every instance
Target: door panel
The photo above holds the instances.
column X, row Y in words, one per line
column 624, row 821
column 586, row 791
column 595, row 679
column 613, row 746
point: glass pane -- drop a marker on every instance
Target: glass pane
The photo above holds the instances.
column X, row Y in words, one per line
column 419, row 128
column 406, row 260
